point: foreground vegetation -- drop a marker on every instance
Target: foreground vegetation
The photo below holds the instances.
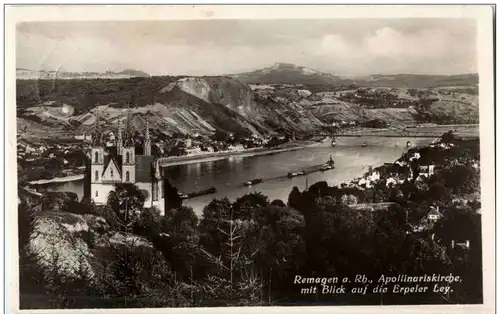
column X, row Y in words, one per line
column 248, row 252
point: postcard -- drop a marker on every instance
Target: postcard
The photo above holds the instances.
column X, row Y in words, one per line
column 250, row 158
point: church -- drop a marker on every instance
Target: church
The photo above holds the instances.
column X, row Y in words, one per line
column 120, row 161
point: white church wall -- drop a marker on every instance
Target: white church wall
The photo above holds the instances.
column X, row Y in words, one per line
column 146, row 186
column 111, row 173
column 160, row 204
column 99, row 192
column 131, row 173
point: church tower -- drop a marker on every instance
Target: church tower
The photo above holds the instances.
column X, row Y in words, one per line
column 147, row 141
column 128, row 154
column 96, row 161
column 119, row 140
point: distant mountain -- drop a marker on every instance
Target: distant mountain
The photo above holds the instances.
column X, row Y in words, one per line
column 417, row 80
column 203, row 105
column 134, row 73
column 186, row 105
column 27, row 74
column 286, row 73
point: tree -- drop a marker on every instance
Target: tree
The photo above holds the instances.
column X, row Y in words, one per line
column 461, row 179
column 246, row 206
column 448, row 137
column 148, row 223
column 178, row 240
column 278, row 203
column 462, row 224
column 125, row 205
column 325, row 202
column 172, row 198
column 280, row 252
column 294, row 198
column 230, row 244
column 25, row 219
column 319, row 189
column 348, row 199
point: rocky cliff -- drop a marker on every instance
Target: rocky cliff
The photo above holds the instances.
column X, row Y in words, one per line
column 189, row 105
column 73, row 245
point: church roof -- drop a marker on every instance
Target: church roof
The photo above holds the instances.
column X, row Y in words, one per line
column 143, row 168
column 434, row 211
column 113, row 155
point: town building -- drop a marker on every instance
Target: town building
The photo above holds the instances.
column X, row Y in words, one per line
column 84, row 137
column 465, row 245
column 429, row 220
column 433, row 215
column 426, row 170
column 123, row 162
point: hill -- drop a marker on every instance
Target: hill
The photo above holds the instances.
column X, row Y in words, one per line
column 134, row 73
column 204, row 105
column 27, row 74
column 185, row 105
column 418, row 81
column 286, row 73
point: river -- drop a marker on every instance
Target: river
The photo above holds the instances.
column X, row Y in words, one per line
column 228, row 175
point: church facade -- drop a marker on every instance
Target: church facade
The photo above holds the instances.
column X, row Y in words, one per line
column 120, row 161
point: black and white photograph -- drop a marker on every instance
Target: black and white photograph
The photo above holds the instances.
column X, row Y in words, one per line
column 225, row 161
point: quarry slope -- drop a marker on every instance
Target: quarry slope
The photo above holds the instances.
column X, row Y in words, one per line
column 188, row 105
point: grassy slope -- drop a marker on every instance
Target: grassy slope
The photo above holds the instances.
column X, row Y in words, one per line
column 419, row 81
column 228, row 105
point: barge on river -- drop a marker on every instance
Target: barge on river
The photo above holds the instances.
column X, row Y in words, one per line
column 252, row 182
column 296, row 174
column 211, row 190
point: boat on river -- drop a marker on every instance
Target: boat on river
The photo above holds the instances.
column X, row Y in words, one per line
column 211, row 190
column 296, row 174
column 329, row 165
column 252, row 182
column 326, row 167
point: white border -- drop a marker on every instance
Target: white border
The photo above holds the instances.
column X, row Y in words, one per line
column 482, row 14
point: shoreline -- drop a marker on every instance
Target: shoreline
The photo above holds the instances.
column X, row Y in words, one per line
column 192, row 159
column 75, row 177
column 171, row 161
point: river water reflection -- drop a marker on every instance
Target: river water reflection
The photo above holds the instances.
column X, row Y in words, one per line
column 228, row 175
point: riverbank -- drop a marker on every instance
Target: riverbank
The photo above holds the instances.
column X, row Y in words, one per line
column 58, row 180
column 460, row 130
column 227, row 175
column 205, row 157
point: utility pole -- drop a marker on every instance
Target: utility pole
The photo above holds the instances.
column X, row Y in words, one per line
column 262, row 286
column 126, row 248
column 231, row 250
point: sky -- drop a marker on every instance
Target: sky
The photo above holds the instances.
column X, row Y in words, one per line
column 345, row 47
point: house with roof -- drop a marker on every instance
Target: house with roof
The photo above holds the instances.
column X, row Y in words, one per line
column 464, row 245
column 370, row 178
column 371, row 207
column 426, row 170
column 397, row 171
column 123, row 163
column 429, row 220
column 434, row 215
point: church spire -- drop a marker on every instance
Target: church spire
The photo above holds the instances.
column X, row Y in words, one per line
column 119, row 141
column 147, row 140
column 128, row 130
column 97, row 136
